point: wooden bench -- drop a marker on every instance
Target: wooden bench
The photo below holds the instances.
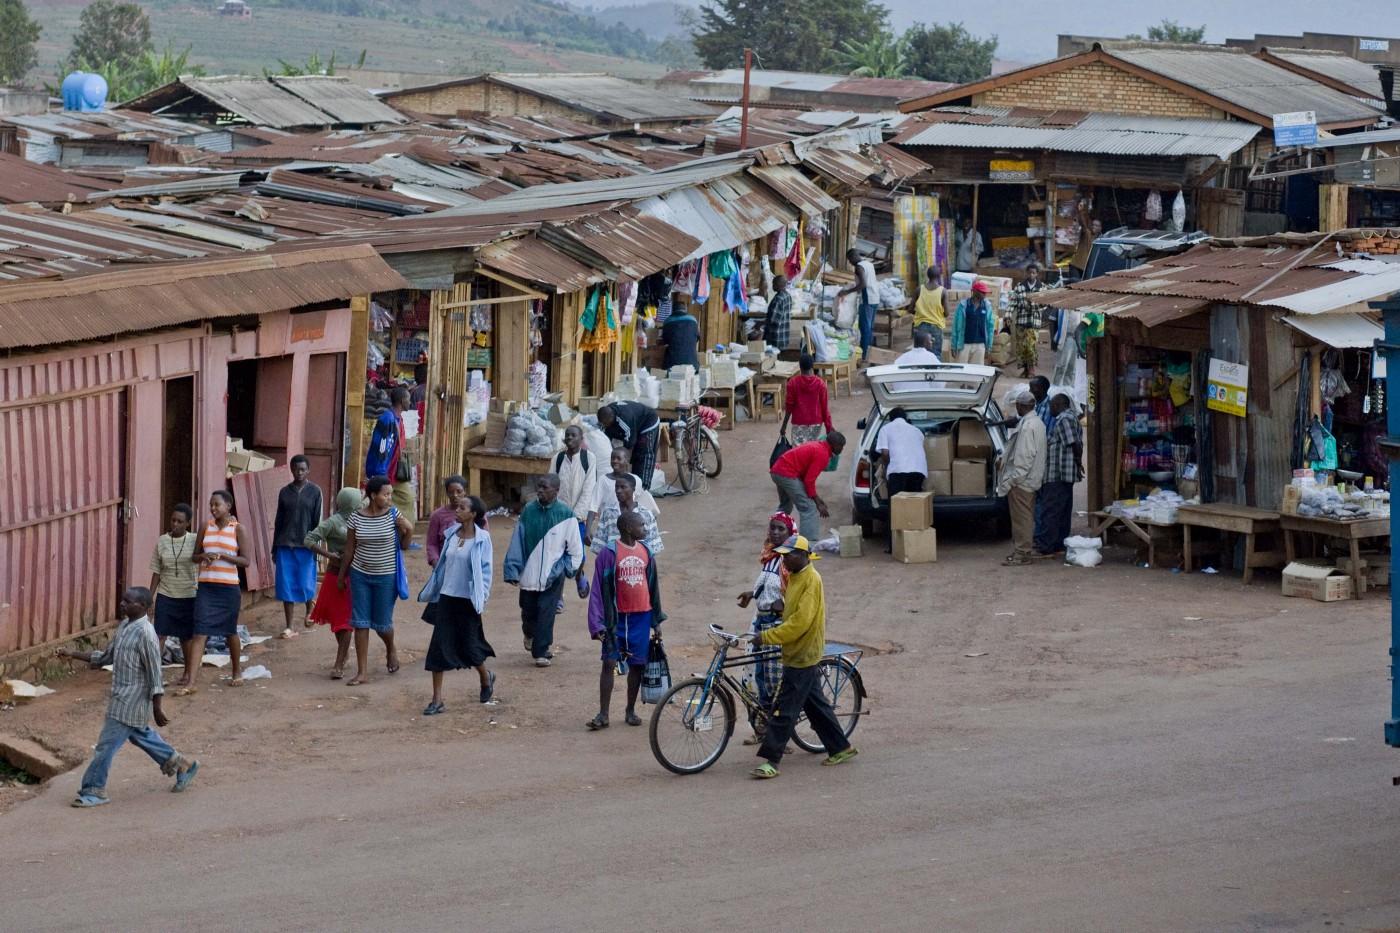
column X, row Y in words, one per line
column 1141, row 528
column 1232, row 519
column 1352, row 532
column 482, row 460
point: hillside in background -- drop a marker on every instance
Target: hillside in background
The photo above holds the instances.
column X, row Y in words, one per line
column 435, row 36
column 659, row 19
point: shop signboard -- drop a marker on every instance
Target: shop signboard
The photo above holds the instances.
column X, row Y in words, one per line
column 1227, row 386
column 1295, row 129
column 1374, row 45
column 1011, row 170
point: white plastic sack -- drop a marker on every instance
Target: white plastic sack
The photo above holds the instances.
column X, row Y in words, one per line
column 1083, row 552
column 846, row 310
column 828, row 545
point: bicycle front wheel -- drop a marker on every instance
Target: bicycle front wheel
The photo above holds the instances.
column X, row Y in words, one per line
column 840, row 683
column 685, row 461
column 691, row 726
column 710, row 461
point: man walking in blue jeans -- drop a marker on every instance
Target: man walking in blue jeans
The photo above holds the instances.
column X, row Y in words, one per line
column 868, row 293
column 136, row 691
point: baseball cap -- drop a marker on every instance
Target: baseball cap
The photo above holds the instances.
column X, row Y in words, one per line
column 796, row 543
column 980, row 287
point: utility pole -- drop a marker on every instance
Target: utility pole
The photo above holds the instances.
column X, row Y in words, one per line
column 744, row 119
column 1389, row 348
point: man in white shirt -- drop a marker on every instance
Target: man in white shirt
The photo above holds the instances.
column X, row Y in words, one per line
column 922, row 352
column 901, row 448
column 1022, row 472
column 578, row 485
column 969, row 247
column 869, row 295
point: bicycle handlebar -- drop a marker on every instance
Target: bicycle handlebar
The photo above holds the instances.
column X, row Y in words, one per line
column 731, row 637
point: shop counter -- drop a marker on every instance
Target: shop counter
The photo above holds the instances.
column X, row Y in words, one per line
column 727, row 397
column 1353, row 532
column 1231, row 519
column 488, row 460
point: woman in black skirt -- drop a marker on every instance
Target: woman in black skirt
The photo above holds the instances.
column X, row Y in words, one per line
column 457, row 593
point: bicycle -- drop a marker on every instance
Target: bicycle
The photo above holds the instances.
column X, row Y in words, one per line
column 692, row 723
column 696, row 448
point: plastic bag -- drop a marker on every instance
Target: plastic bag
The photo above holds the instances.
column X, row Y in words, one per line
column 1083, row 552
column 656, row 676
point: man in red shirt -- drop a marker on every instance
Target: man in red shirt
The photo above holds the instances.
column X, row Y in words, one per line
column 795, row 474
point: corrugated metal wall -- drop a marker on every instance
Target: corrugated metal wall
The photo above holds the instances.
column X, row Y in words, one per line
column 60, row 522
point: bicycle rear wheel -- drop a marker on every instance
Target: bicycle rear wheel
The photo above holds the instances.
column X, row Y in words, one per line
column 685, row 462
column 709, row 456
column 841, row 683
column 690, row 727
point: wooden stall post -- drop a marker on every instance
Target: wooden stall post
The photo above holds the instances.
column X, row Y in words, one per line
column 352, row 470
column 712, row 325
column 1332, row 207
column 565, row 360
column 449, row 332
column 513, row 348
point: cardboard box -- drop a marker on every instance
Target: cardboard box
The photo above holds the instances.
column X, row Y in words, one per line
column 247, row 461
column 1378, row 575
column 851, row 539
column 911, row 511
column 938, row 450
column 1292, row 495
column 974, row 441
column 1325, row 584
column 232, row 444
column 940, row 482
column 969, row 477
column 916, row 546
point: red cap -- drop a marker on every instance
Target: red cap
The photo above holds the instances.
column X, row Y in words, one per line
column 980, row 287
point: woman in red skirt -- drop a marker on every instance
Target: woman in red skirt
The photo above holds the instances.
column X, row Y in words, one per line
column 333, row 603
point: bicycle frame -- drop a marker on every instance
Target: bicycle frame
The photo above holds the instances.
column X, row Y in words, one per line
column 721, row 661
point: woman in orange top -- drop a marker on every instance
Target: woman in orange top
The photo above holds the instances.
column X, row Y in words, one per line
column 219, row 552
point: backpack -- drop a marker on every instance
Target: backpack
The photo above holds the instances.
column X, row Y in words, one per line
column 559, row 460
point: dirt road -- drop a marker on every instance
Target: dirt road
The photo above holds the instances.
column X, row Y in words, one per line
column 1127, row 749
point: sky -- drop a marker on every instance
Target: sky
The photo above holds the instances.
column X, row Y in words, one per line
column 1027, row 30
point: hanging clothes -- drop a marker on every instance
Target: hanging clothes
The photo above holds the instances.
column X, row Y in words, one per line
column 735, row 301
column 686, row 272
column 626, row 301
column 792, row 266
column 597, row 323
column 663, row 308
column 702, row 281
column 722, row 264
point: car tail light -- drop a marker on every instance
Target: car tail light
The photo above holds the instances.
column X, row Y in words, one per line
column 863, row 474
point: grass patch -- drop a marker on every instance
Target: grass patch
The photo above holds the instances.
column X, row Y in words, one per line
column 9, row 774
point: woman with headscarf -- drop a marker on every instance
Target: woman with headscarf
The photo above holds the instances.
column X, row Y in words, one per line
column 332, row 605
column 767, row 597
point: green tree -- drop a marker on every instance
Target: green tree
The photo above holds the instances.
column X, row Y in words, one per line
column 18, row 33
column 790, row 35
column 948, row 52
column 1169, row 30
column 150, row 71
column 110, row 33
column 880, row 56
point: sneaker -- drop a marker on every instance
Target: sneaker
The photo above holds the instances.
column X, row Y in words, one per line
column 185, row 777
column 89, row 800
column 543, row 662
column 841, row 757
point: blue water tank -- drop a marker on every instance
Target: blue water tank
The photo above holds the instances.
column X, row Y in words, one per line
column 84, row 92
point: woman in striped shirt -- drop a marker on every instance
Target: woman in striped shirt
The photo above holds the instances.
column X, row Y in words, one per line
column 369, row 567
column 219, row 552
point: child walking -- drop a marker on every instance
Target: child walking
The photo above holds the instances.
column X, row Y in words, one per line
column 136, row 691
column 624, row 610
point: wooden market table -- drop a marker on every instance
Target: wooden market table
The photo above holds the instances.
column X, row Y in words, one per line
column 836, row 372
column 729, row 396
column 1141, row 528
column 1353, row 532
column 484, row 459
column 1231, row 519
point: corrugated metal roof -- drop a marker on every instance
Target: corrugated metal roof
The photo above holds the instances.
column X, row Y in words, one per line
column 848, row 168
column 722, row 215
column 22, row 181
column 1363, row 78
column 1098, row 133
column 795, row 189
column 1248, row 82
column 117, row 302
column 256, row 100
column 36, row 243
column 633, row 243
column 1369, row 138
column 186, row 227
column 121, row 124
column 534, row 260
column 1149, row 310
column 1347, row 329
column 344, row 101
column 893, row 88
column 612, row 98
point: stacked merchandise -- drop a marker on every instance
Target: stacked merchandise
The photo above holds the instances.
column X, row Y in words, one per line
column 917, row 239
column 1158, row 422
column 529, row 435
column 680, row 388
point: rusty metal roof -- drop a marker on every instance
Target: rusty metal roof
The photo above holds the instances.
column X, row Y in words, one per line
column 534, row 260
column 795, row 188
column 344, row 101
column 626, row 241
column 22, row 181
column 37, row 243
column 123, row 301
column 256, row 100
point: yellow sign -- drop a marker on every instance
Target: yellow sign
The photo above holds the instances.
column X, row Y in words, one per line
column 1011, row 170
column 1227, row 387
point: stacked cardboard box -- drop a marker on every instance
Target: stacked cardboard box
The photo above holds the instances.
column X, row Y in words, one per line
column 911, row 521
column 724, row 373
column 972, row 453
column 916, row 546
column 938, row 451
column 851, row 540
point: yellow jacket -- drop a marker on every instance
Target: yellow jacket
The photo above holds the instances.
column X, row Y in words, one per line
column 802, row 633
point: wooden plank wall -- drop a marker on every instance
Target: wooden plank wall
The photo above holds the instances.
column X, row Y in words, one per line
column 449, row 334
column 356, row 358
column 565, row 364
column 512, row 348
column 1332, row 207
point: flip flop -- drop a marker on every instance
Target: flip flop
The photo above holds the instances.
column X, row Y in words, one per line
column 394, row 665
column 432, row 709
column 235, row 681
column 89, row 800
column 633, row 719
column 596, row 723
column 337, row 674
column 764, row 771
column 186, row 691
column 183, row 779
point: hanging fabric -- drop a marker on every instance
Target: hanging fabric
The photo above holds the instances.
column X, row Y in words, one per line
column 734, row 299
column 702, row 281
column 684, row 281
column 598, row 324
column 792, row 266
column 722, row 264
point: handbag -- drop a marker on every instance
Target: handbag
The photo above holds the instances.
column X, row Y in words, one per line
column 780, row 448
column 656, row 677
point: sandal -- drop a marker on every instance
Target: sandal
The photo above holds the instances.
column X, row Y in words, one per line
column 337, row 673
column 1015, row 562
column 633, row 719
column 432, row 709
column 393, row 664
column 597, row 722
column 356, row 681
column 235, row 681
column 764, row 771
column 186, row 691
